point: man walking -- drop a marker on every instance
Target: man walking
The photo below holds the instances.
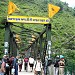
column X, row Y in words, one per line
column 38, row 67
column 31, row 63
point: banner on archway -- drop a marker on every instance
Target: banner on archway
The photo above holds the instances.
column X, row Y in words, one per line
column 25, row 19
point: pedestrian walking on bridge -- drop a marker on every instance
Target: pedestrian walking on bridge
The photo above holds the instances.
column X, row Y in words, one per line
column 38, row 69
column 61, row 66
column 20, row 63
column 15, row 64
column 26, row 63
column 31, row 63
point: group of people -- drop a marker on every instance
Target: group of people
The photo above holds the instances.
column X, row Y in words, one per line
column 11, row 66
column 35, row 65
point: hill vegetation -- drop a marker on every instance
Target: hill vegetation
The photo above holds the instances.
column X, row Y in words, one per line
column 63, row 23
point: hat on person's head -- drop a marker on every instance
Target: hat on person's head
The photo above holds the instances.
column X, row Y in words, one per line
column 61, row 56
column 57, row 56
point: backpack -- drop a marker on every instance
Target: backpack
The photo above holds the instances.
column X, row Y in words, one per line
column 56, row 64
column 36, row 64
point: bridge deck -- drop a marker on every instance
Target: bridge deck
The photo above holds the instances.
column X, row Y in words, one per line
column 26, row 73
column 23, row 72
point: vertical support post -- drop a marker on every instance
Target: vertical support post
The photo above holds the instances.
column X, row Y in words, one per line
column 36, row 53
column 15, row 49
column 44, row 51
column 31, row 50
column 11, row 44
column 28, row 53
column 34, row 50
column 7, row 38
column 48, row 50
column 48, row 35
column 41, row 49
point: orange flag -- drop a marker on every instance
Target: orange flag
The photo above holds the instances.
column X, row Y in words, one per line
column 12, row 8
column 52, row 10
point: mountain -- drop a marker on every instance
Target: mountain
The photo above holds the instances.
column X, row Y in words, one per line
column 63, row 23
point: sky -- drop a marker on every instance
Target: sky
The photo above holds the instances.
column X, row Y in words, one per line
column 70, row 2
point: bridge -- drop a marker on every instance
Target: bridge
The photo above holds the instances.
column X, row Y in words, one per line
column 24, row 41
column 27, row 42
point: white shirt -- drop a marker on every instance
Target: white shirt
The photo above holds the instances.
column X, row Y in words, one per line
column 31, row 60
column 38, row 66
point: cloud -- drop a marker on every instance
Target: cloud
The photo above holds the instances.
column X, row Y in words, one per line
column 70, row 2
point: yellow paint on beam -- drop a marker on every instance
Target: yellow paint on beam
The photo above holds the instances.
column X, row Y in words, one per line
column 25, row 19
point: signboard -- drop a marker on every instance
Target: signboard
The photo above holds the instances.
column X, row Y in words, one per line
column 49, row 43
column 24, row 19
column 6, row 44
column 6, row 51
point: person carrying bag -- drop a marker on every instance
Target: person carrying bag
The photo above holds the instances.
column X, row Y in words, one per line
column 38, row 67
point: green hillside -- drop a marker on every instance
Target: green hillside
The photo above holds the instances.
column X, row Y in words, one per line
column 63, row 23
